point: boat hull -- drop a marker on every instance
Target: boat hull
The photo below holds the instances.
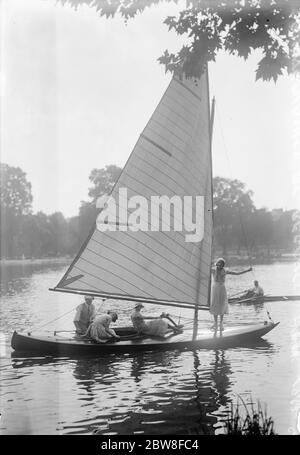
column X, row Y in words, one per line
column 207, row 340
column 266, row 298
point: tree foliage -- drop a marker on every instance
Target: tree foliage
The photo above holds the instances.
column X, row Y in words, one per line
column 233, row 206
column 238, row 225
column 236, row 26
column 15, row 200
column 15, row 191
column 103, row 180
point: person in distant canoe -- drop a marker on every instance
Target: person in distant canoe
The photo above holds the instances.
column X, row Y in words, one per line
column 155, row 327
column 85, row 313
column 257, row 290
column 219, row 301
column 100, row 331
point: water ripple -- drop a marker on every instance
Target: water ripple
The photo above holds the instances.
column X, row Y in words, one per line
column 174, row 392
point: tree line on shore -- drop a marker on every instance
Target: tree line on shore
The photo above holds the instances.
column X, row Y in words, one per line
column 239, row 226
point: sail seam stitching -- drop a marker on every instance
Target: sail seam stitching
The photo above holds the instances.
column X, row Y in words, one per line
column 156, row 145
column 188, row 89
column 144, row 268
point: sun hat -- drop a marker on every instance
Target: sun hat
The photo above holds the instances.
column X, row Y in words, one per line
column 221, row 259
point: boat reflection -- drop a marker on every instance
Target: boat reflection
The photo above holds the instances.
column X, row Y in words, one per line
column 141, row 363
column 178, row 401
column 220, row 373
column 170, row 392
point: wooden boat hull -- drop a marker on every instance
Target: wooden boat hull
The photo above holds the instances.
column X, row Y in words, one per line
column 208, row 340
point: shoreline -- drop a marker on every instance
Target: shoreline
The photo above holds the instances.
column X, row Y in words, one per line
column 35, row 261
column 260, row 261
column 230, row 260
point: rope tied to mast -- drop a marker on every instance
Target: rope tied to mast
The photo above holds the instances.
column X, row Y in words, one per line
column 239, row 212
column 65, row 314
column 54, row 320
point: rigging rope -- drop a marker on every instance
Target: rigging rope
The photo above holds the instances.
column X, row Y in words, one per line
column 241, row 222
column 231, row 174
column 64, row 314
column 54, row 320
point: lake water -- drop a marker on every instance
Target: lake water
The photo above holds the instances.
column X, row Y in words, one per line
column 176, row 392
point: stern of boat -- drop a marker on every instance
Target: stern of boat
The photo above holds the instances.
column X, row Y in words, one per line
column 13, row 342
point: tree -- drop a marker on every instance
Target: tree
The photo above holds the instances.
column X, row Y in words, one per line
column 74, row 238
column 103, row 180
column 283, row 230
column 86, row 221
column 236, row 26
column 232, row 206
column 58, row 228
column 261, row 231
column 35, row 237
column 15, row 190
column 15, row 202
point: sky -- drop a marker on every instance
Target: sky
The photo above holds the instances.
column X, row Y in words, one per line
column 78, row 89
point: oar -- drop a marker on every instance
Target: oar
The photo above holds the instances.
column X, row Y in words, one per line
column 235, row 295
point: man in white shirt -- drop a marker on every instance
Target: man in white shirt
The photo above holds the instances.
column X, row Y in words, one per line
column 85, row 313
column 257, row 290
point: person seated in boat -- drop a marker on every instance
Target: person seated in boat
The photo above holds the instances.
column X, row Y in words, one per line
column 100, row 331
column 256, row 291
column 157, row 326
column 85, row 313
column 219, row 301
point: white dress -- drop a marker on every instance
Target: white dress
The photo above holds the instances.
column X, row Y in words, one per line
column 219, row 301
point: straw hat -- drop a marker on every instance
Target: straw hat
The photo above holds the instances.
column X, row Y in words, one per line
column 113, row 314
column 221, row 260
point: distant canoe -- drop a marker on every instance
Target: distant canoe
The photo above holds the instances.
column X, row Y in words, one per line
column 262, row 299
column 53, row 344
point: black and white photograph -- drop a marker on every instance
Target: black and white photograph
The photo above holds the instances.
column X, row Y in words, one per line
column 150, row 220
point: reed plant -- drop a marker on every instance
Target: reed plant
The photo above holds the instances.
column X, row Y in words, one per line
column 248, row 419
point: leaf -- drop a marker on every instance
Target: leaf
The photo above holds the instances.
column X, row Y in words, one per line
column 269, row 68
column 237, row 26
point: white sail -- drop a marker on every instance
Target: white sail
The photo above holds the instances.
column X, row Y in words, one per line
column 172, row 157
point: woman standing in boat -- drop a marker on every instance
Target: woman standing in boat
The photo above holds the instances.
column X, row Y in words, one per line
column 219, row 301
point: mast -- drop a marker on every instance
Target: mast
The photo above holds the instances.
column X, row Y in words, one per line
column 212, row 115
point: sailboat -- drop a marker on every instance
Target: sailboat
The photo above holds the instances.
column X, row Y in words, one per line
column 154, row 266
